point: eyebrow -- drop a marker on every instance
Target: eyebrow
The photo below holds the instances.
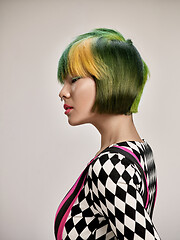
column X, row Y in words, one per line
column 76, row 77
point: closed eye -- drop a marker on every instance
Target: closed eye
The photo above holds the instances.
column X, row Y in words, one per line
column 75, row 78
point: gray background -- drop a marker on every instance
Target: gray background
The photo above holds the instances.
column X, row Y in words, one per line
column 41, row 154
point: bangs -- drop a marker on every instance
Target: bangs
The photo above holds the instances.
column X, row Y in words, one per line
column 113, row 62
column 78, row 60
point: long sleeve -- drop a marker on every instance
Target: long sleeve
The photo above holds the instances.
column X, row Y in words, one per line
column 116, row 190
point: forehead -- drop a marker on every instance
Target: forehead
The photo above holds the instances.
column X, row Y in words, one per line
column 67, row 78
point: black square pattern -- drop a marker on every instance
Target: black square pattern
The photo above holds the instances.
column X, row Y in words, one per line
column 110, row 204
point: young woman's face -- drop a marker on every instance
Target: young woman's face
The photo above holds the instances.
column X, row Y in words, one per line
column 79, row 94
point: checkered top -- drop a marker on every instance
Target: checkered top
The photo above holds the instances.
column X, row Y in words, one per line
column 110, row 203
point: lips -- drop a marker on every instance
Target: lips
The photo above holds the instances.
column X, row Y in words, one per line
column 67, row 107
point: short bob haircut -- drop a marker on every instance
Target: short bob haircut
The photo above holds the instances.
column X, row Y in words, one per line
column 113, row 62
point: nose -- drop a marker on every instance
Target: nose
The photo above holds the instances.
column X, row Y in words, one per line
column 64, row 93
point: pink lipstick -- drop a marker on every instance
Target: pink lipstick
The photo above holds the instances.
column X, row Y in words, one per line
column 67, row 108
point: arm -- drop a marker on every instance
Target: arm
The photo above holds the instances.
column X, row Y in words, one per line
column 116, row 192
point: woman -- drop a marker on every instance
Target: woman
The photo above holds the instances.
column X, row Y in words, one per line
column 103, row 77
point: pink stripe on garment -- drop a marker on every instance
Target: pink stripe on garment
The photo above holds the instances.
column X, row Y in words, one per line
column 127, row 150
column 67, row 196
column 64, row 200
column 63, row 221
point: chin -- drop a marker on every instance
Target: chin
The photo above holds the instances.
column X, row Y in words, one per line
column 77, row 122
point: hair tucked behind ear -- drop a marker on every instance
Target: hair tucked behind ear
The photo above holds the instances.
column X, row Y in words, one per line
column 113, row 62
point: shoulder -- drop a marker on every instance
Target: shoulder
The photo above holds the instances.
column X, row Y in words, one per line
column 115, row 166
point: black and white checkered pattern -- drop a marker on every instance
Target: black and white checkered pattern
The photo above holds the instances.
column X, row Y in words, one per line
column 110, row 204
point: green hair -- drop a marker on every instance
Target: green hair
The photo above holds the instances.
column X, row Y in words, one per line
column 113, row 62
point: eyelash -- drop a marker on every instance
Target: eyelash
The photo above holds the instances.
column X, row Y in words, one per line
column 75, row 79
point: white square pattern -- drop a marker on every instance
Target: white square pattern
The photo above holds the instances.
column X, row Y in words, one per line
column 110, row 204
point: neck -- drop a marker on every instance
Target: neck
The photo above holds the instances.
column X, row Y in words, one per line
column 116, row 128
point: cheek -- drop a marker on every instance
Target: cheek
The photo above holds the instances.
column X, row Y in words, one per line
column 86, row 95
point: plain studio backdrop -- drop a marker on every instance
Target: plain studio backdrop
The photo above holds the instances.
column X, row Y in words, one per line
column 41, row 154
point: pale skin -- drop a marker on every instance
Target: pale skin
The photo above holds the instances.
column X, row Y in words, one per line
column 113, row 128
